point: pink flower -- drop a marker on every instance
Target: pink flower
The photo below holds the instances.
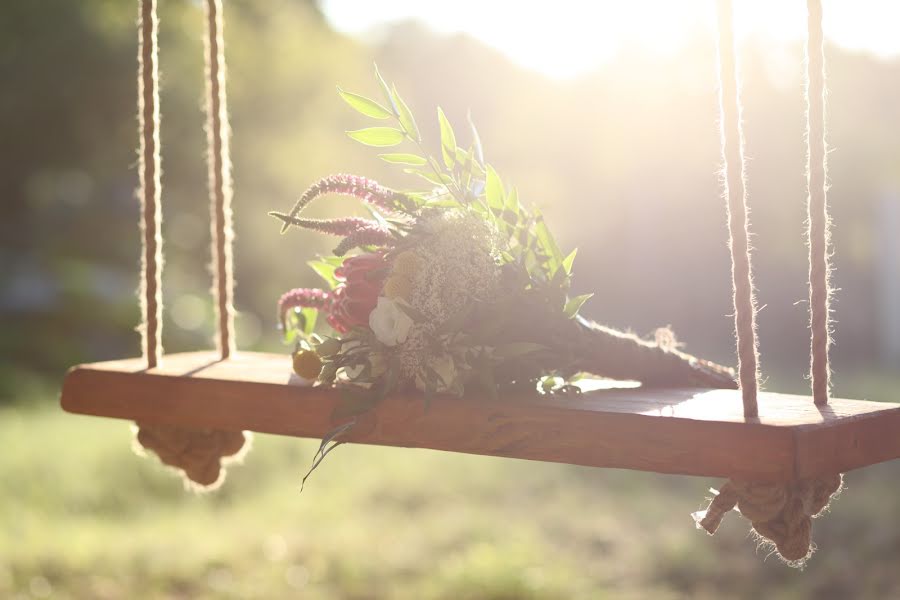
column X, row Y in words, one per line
column 353, row 300
column 302, row 298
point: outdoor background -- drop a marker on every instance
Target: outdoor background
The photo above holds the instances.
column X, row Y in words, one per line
column 622, row 156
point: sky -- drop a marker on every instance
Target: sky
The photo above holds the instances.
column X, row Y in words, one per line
column 566, row 38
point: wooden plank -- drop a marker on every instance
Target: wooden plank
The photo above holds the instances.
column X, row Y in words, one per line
column 682, row 431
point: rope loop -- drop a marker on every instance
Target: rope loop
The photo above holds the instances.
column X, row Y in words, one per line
column 200, row 455
column 780, row 513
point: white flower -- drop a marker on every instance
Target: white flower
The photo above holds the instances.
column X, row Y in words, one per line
column 389, row 323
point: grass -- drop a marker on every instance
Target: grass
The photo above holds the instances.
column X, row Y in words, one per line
column 81, row 516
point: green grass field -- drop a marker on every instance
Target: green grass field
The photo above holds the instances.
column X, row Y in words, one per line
column 82, row 516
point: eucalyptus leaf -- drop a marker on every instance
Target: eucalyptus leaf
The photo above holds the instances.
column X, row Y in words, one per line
column 377, row 136
column 365, row 106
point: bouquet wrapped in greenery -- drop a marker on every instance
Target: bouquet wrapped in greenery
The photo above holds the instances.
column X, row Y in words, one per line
column 456, row 287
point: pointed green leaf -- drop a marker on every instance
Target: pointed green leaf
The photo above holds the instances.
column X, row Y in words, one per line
column 494, row 189
column 377, row 136
column 324, row 270
column 430, row 177
column 567, row 261
column 386, row 90
column 403, row 159
column 573, row 305
column 512, row 201
column 308, row 317
column 448, row 140
column 364, row 105
column 405, row 115
column 548, row 244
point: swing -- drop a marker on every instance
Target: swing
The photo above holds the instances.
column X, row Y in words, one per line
column 745, row 435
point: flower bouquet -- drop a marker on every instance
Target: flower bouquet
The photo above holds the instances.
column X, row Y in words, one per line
column 454, row 288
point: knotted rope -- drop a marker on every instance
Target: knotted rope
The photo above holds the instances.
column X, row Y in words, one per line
column 149, row 186
column 220, row 190
column 818, row 221
column 200, row 455
column 738, row 221
column 781, row 513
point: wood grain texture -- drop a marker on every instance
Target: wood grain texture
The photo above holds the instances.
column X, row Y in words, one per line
column 682, row 431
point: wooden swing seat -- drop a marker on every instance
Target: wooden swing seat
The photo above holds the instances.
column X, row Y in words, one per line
column 680, row 431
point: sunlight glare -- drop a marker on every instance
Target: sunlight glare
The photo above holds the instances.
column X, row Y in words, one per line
column 567, row 38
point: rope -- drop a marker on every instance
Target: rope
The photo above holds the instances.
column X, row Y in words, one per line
column 149, row 192
column 220, row 190
column 738, row 222
column 818, row 221
column 781, row 513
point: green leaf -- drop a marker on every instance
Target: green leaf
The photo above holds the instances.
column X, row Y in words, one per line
column 494, row 189
column 439, row 179
column 567, row 261
column 328, row 347
column 325, row 448
column 512, row 201
column 573, row 305
column 308, row 317
column 448, row 140
column 405, row 115
column 403, row 159
column 364, row 105
column 547, row 243
column 325, row 270
column 386, row 90
column 377, row 136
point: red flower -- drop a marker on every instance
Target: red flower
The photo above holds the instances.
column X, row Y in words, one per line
column 362, row 278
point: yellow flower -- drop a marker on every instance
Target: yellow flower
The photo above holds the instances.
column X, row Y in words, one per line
column 307, row 364
column 398, row 286
column 406, row 264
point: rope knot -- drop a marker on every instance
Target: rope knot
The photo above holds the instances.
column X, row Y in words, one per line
column 780, row 513
column 199, row 454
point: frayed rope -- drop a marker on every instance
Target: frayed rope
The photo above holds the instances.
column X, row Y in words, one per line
column 199, row 455
column 781, row 513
